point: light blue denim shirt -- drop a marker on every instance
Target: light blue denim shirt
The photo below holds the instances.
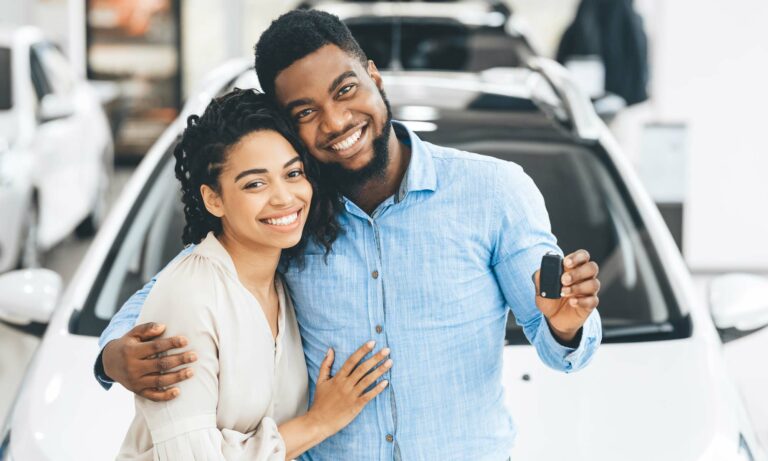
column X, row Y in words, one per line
column 431, row 274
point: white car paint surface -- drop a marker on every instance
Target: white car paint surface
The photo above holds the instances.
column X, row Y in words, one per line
column 55, row 147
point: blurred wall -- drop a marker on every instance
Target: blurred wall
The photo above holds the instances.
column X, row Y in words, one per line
column 709, row 65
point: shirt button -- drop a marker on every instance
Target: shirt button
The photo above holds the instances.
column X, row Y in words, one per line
column 389, row 438
column 379, row 329
column 375, row 274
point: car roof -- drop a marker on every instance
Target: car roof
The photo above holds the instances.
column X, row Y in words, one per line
column 469, row 12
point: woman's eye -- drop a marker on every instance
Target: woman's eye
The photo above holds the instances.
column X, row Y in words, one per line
column 295, row 173
column 254, row 184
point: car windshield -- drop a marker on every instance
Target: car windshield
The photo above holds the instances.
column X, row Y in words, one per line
column 5, row 79
column 586, row 199
column 435, row 44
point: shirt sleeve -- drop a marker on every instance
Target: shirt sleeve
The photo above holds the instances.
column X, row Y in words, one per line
column 185, row 428
column 522, row 235
column 124, row 320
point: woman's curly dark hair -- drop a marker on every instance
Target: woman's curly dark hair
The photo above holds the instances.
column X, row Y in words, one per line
column 201, row 154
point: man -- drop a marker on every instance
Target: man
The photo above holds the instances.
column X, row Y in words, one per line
column 436, row 243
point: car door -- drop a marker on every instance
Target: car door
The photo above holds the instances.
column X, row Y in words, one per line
column 60, row 146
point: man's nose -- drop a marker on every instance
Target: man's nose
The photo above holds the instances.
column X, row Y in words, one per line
column 336, row 119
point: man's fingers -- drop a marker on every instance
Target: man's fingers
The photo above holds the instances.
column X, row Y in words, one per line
column 355, row 358
column 587, row 302
column 576, row 258
column 325, row 367
column 147, row 331
column 167, row 363
column 162, row 380
column 581, row 273
column 157, row 346
column 586, row 288
column 157, row 395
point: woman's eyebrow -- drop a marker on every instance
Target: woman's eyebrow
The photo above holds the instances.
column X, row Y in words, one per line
column 264, row 170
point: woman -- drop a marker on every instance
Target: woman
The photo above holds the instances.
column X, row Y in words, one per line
column 247, row 198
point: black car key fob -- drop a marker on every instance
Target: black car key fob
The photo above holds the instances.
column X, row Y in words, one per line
column 550, row 275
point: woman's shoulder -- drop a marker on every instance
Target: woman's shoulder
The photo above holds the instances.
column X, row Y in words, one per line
column 194, row 280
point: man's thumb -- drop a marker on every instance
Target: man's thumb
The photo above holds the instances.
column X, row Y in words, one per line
column 147, row 331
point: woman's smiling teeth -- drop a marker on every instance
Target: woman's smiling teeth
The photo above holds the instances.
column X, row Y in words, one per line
column 283, row 221
column 349, row 141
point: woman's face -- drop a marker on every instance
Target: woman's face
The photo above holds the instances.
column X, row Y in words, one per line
column 264, row 196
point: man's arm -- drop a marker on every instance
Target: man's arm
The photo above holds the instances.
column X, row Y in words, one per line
column 565, row 336
column 129, row 353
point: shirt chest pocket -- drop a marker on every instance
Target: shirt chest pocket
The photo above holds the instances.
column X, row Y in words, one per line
column 329, row 293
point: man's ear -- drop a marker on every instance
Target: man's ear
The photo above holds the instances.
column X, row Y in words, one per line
column 373, row 71
column 212, row 201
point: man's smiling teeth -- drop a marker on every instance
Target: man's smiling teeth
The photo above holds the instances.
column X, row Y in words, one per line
column 345, row 144
column 284, row 221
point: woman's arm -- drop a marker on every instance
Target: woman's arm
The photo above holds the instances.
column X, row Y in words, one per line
column 338, row 399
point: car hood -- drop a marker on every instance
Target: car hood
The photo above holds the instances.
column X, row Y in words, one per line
column 658, row 400
column 661, row 400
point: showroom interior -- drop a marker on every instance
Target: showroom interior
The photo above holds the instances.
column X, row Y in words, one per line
column 640, row 121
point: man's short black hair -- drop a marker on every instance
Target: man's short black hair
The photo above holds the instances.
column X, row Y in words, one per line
column 295, row 35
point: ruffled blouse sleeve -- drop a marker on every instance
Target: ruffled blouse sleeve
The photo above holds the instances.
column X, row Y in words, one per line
column 185, row 428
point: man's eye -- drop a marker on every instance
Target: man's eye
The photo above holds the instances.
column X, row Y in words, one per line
column 346, row 89
column 303, row 113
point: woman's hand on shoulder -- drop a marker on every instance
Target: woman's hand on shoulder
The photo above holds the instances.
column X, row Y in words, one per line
column 339, row 399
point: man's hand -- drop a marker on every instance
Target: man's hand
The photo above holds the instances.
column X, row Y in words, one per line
column 133, row 362
column 579, row 296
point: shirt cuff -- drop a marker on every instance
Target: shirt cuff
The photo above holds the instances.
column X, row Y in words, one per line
column 98, row 371
column 575, row 358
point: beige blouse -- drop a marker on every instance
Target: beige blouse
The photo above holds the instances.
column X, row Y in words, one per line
column 244, row 383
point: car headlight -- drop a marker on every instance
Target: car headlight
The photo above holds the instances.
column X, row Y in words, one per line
column 745, row 454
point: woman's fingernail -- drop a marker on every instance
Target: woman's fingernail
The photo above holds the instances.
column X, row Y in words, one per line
column 370, row 344
column 574, row 302
column 388, row 363
column 384, row 383
column 385, row 351
column 568, row 262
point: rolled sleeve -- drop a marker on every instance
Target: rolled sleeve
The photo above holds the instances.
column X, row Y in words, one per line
column 522, row 236
column 565, row 358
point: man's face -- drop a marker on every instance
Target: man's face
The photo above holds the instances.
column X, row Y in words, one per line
column 337, row 106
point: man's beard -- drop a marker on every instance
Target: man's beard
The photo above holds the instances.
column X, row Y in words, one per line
column 350, row 181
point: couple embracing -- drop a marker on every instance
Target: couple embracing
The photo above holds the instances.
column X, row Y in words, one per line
column 345, row 292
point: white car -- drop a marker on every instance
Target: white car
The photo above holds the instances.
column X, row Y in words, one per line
column 55, row 149
column 658, row 389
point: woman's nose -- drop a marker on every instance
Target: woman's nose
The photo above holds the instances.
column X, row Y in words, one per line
column 281, row 194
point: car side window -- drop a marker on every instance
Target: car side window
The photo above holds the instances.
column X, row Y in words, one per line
column 51, row 73
column 6, row 87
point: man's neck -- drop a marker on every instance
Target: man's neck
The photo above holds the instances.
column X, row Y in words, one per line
column 372, row 193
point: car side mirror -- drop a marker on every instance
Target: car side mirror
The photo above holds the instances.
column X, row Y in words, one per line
column 54, row 107
column 29, row 296
column 738, row 301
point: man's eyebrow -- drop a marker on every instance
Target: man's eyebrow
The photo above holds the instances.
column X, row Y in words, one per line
column 264, row 170
column 298, row 102
column 337, row 81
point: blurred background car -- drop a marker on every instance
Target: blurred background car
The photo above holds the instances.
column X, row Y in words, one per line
column 661, row 374
column 55, row 149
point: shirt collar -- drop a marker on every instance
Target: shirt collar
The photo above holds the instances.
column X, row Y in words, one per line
column 420, row 174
